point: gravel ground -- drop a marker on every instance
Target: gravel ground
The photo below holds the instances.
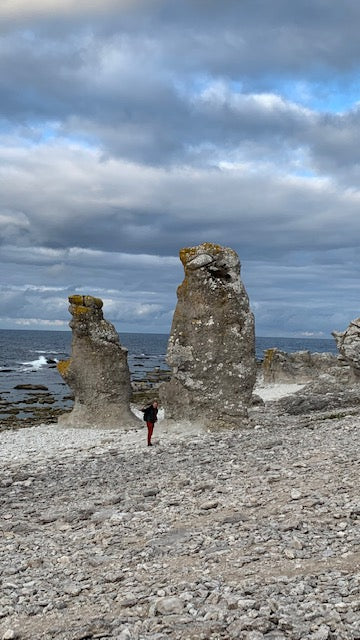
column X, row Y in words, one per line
column 246, row 534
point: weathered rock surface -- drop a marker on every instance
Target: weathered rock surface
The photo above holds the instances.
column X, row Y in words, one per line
column 348, row 343
column 302, row 366
column 323, row 395
column 211, row 348
column 101, row 537
column 97, row 371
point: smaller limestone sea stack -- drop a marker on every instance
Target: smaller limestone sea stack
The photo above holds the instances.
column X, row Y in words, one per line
column 97, row 371
column 211, row 349
column 348, row 344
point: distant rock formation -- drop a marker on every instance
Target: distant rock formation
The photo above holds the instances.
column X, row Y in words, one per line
column 348, row 344
column 97, row 371
column 301, row 366
column 211, row 349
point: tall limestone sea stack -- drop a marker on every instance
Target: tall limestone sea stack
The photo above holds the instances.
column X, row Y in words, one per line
column 97, row 371
column 211, row 349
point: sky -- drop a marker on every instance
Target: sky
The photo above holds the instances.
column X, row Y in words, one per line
column 131, row 129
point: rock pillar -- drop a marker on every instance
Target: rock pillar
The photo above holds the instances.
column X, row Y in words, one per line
column 97, row 371
column 348, row 344
column 211, row 349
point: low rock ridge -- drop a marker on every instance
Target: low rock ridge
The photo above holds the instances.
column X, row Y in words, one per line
column 326, row 394
column 302, row 366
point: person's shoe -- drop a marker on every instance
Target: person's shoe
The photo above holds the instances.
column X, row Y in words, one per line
column 149, row 445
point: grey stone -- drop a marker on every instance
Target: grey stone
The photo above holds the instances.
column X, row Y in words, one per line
column 256, row 400
column 234, row 518
column 97, row 371
column 246, row 603
column 296, row 543
column 152, row 491
column 128, row 600
column 209, row 504
column 211, row 349
column 124, row 635
column 72, row 589
column 322, row 633
column 11, row 634
column 170, row 605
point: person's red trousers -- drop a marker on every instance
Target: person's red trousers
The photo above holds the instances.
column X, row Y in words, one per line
column 150, row 427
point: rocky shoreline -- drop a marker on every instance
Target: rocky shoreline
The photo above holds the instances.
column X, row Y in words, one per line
column 246, row 533
column 37, row 405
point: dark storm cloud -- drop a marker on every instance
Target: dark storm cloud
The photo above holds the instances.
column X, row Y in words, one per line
column 222, row 37
column 134, row 113
column 121, row 79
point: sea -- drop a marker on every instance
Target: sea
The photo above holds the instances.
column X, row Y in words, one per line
column 30, row 357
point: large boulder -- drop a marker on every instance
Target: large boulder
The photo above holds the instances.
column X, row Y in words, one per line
column 348, row 344
column 211, row 350
column 97, row 371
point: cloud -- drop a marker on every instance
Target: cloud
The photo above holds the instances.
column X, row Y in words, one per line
column 35, row 323
column 12, row 223
column 118, row 89
column 130, row 129
column 22, row 9
column 74, row 199
column 246, row 38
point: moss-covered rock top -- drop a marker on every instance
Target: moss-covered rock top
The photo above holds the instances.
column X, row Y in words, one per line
column 188, row 253
column 86, row 301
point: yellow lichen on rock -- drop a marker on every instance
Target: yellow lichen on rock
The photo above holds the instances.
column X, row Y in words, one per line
column 188, row 253
column 90, row 301
column 210, row 247
column 76, row 299
column 63, row 366
column 80, row 310
column 268, row 358
column 86, row 301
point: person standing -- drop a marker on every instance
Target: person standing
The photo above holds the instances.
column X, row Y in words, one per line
column 150, row 417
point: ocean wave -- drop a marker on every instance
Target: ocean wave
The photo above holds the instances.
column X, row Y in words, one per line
column 148, row 356
column 35, row 364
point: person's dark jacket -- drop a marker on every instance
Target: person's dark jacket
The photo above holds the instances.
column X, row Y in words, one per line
column 150, row 414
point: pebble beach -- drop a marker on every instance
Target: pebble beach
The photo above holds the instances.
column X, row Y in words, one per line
column 245, row 533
